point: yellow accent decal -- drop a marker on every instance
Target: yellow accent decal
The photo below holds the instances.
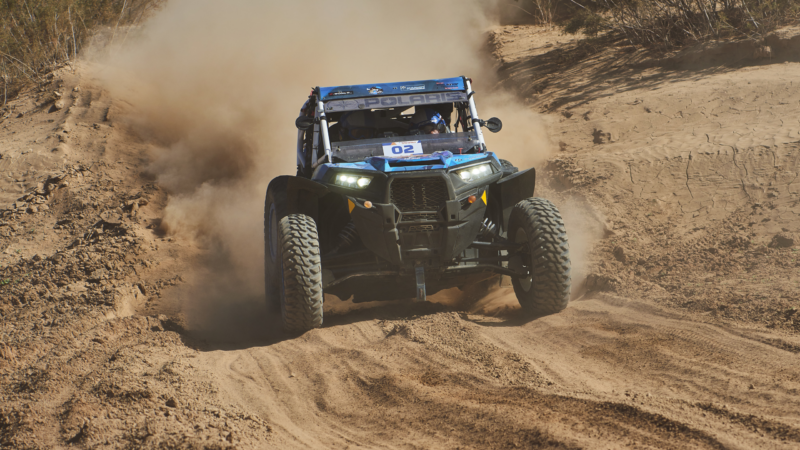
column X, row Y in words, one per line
column 350, row 205
column 483, row 197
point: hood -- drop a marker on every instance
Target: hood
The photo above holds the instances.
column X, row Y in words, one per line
column 434, row 161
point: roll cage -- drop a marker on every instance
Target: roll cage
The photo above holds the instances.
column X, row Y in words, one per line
column 327, row 104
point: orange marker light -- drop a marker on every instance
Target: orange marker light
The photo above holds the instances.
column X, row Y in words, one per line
column 368, row 204
column 472, row 199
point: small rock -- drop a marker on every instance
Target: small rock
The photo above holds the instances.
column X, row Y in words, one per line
column 111, row 217
column 783, row 240
column 59, row 104
column 620, row 254
column 762, row 51
column 601, row 137
column 62, row 149
column 172, row 403
column 598, row 282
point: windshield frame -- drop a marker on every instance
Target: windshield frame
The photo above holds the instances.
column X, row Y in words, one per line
column 353, row 151
column 389, row 102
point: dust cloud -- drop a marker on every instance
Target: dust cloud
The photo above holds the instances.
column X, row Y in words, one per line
column 216, row 87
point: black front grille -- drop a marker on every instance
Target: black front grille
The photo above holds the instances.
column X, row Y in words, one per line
column 419, row 217
column 419, row 194
column 420, row 228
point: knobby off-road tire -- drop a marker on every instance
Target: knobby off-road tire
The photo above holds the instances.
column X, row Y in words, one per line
column 301, row 295
column 547, row 289
column 508, row 168
column 274, row 211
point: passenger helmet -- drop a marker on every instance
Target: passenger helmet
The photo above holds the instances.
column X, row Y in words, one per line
column 427, row 120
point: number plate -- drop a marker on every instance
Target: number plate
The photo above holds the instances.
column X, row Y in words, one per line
column 401, row 149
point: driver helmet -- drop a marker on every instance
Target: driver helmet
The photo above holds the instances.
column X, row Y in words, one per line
column 428, row 121
column 356, row 125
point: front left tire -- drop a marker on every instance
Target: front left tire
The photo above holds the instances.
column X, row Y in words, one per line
column 301, row 274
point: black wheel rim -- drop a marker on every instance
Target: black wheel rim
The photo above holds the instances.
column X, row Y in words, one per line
column 525, row 282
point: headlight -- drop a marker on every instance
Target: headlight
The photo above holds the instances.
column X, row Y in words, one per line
column 475, row 173
column 352, row 181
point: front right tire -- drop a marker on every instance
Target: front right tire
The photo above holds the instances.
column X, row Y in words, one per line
column 537, row 223
column 274, row 211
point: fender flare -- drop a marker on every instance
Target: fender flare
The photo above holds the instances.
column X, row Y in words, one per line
column 513, row 189
column 302, row 194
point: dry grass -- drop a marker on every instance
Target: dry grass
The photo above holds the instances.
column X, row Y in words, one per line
column 37, row 36
column 667, row 24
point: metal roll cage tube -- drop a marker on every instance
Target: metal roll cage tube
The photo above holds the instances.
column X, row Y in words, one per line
column 301, row 160
column 323, row 126
column 474, row 112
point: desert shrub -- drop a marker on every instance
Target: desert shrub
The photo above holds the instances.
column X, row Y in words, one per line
column 670, row 23
column 541, row 12
column 37, row 36
column 587, row 21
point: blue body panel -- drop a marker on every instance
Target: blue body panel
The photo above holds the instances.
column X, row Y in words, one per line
column 438, row 161
column 404, row 87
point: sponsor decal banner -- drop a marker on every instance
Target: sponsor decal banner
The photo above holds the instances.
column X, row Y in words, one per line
column 397, row 88
column 395, row 101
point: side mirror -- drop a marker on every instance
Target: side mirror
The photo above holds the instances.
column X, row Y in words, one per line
column 494, row 124
column 304, row 122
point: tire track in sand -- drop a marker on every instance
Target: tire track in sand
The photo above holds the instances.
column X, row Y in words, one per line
column 604, row 370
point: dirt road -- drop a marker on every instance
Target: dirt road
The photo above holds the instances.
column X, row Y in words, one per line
column 609, row 372
column 680, row 173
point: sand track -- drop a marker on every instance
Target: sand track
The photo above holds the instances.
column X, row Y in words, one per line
column 607, row 369
column 684, row 334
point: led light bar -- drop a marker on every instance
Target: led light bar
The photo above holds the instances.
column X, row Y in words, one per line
column 475, row 173
column 352, row 181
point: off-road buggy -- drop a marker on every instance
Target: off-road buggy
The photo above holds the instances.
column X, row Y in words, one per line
column 400, row 216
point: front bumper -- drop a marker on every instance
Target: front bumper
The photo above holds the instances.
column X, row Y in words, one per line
column 427, row 224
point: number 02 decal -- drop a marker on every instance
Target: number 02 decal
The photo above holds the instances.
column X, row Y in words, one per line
column 402, row 148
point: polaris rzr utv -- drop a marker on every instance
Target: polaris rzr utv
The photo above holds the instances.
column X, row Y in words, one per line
column 392, row 213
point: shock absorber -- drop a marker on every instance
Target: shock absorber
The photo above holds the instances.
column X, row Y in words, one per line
column 488, row 229
column 347, row 237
